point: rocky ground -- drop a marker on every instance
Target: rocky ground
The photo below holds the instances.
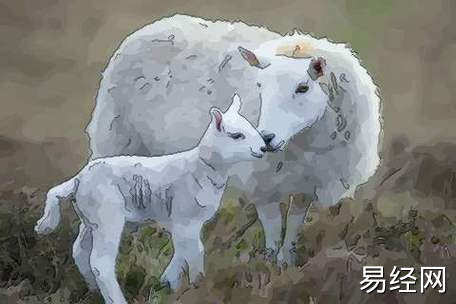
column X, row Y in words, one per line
column 404, row 216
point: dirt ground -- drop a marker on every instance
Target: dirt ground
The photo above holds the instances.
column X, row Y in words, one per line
column 52, row 53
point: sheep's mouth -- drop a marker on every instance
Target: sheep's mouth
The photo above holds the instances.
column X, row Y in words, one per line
column 272, row 148
column 256, row 154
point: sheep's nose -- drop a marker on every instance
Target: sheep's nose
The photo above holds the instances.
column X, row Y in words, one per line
column 267, row 136
column 263, row 149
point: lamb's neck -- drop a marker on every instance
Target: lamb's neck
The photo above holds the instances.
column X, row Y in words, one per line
column 210, row 166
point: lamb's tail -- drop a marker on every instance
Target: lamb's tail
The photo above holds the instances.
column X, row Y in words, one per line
column 51, row 217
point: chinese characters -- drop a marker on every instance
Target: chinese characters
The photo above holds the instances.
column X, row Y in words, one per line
column 403, row 279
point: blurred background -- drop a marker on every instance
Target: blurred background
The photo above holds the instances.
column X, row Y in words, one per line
column 52, row 53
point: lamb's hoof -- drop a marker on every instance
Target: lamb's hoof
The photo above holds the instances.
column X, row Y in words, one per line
column 163, row 284
column 171, row 280
column 196, row 282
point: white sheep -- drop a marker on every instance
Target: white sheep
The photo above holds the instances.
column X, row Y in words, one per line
column 317, row 104
column 180, row 191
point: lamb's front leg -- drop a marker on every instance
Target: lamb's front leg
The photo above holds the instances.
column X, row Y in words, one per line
column 193, row 250
column 173, row 272
column 188, row 249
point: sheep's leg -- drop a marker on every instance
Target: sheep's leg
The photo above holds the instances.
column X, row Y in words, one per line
column 271, row 219
column 106, row 239
column 287, row 253
column 82, row 248
column 296, row 215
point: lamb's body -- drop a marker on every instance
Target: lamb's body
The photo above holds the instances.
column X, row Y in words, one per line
column 149, row 188
column 180, row 191
column 181, row 66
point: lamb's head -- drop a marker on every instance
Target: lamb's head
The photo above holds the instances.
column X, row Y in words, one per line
column 231, row 137
column 291, row 96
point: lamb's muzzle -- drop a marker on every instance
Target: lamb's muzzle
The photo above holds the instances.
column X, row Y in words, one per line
column 256, row 154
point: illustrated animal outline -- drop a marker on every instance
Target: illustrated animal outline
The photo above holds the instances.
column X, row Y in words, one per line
column 316, row 103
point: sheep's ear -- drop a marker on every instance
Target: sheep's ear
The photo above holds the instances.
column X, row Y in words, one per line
column 217, row 118
column 235, row 104
column 252, row 59
column 316, row 68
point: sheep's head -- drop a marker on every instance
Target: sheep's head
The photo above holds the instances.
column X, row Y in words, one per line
column 231, row 136
column 291, row 96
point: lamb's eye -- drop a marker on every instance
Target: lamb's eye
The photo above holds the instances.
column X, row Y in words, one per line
column 236, row 135
column 302, row 88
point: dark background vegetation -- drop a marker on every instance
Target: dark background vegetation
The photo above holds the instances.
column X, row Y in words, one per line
column 52, row 53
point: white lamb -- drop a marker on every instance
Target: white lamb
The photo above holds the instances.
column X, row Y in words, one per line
column 180, row 191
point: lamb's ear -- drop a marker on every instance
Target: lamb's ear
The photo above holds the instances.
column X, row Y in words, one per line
column 316, row 68
column 235, row 104
column 217, row 118
column 252, row 59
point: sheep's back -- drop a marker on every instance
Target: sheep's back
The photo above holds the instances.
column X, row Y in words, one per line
column 159, row 85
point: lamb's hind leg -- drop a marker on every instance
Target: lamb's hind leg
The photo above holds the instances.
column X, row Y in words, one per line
column 106, row 239
column 82, row 248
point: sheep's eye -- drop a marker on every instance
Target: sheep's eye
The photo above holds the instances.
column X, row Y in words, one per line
column 236, row 135
column 302, row 88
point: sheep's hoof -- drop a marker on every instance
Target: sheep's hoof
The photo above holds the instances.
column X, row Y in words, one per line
column 287, row 257
column 269, row 255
